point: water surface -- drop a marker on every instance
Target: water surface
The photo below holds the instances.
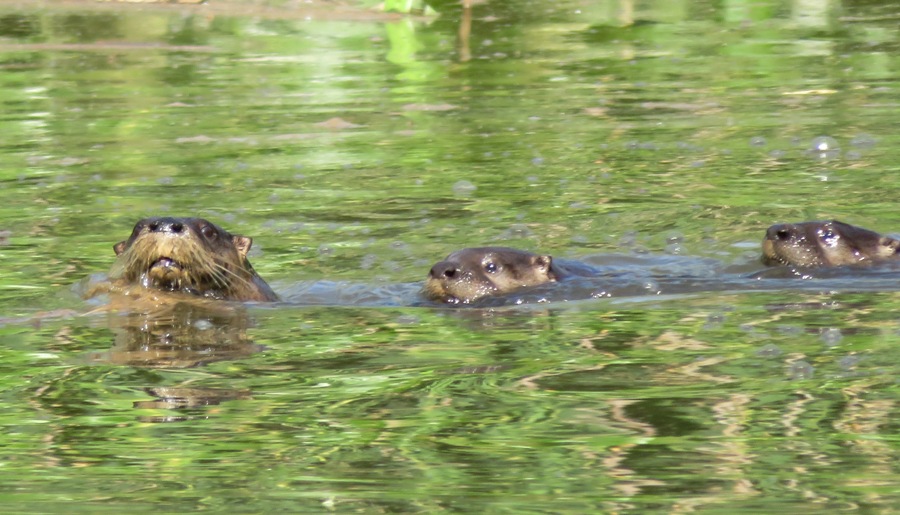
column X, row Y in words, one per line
column 357, row 150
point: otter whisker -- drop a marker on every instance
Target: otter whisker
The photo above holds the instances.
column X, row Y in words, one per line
column 191, row 256
column 227, row 271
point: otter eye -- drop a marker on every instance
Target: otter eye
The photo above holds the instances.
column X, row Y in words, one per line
column 208, row 232
column 490, row 267
column 828, row 236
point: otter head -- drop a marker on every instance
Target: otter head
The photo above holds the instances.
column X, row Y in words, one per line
column 826, row 243
column 469, row 274
column 189, row 255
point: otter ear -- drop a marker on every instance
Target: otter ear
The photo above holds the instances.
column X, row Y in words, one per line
column 242, row 244
column 543, row 263
column 119, row 247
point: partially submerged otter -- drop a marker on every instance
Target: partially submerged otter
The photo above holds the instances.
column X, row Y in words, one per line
column 189, row 255
column 470, row 274
column 826, row 243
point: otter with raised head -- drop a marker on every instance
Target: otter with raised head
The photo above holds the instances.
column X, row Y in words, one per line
column 189, row 255
column 826, row 243
column 470, row 274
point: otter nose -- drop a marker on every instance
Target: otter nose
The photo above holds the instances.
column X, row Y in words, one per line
column 780, row 232
column 169, row 225
column 444, row 269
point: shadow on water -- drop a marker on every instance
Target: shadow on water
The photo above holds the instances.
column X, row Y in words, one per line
column 185, row 400
column 182, row 335
column 178, row 335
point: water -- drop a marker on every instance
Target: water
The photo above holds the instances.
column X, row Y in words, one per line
column 357, row 149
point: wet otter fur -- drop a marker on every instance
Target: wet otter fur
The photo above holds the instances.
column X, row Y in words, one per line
column 189, row 255
column 472, row 273
column 825, row 243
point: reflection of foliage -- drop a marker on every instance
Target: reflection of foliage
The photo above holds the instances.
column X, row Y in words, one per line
column 86, row 27
column 595, row 132
column 353, row 406
column 406, row 6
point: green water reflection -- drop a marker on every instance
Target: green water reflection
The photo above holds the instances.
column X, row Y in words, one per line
column 361, row 148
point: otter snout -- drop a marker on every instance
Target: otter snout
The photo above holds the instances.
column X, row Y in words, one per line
column 444, row 270
column 165, row 225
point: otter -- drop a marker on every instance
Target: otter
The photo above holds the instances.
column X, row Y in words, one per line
column 825, row 243
column 188, row 255
column 470, row 274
